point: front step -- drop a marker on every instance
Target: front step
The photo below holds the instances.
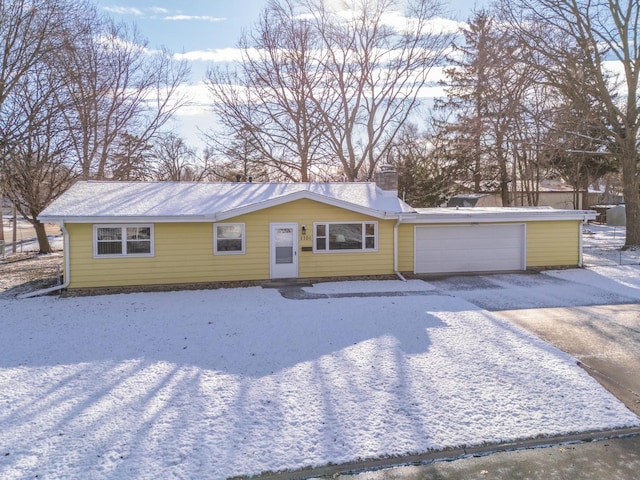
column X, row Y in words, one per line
column 286, row 282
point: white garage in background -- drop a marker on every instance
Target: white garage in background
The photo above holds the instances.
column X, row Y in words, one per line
column 470, row 248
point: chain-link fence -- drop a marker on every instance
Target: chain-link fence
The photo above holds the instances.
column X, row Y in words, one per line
column 602, row 246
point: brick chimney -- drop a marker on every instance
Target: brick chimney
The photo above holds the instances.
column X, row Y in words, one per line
column 387, row 179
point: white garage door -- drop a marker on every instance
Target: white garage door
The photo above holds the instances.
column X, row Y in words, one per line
column 469, row 248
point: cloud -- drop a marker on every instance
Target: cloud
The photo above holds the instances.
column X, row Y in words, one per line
column 200, row 99
column 124, row 10
column 166, row 14
column 205, row 18
column 445, row 25
column 211, row 55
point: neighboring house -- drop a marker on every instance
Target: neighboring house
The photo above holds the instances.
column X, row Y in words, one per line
column 550, row 193
column 475, row 200
column 166, row 233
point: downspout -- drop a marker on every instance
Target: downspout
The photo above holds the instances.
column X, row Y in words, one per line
column 580, row 261
column 67, row 276
column 395, row 249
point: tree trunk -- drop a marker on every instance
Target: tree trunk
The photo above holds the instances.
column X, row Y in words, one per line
column 14, row 223
column 43, row 240
column 504, row 171
column 631, row 198
column 1, row 217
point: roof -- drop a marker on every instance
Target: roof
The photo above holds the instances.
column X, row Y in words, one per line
column 494, row 214
column 186, row 201
column 107, row 202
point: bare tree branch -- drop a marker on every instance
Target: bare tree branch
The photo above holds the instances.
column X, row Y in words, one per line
column 319, row 88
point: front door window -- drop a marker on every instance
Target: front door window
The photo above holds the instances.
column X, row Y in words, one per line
column 284, row 245
column 284, row 250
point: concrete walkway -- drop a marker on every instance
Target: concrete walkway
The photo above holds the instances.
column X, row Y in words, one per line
column 617, row 459
column 613, row 455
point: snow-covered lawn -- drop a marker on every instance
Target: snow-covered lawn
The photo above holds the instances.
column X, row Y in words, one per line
column 211, row 384
column 601, row 246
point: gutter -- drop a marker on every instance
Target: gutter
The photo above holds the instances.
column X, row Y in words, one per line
column 67, row 277
column 503, row 215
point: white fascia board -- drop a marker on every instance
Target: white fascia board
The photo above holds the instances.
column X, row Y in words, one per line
column 547, row 215
column 303, row 194
column 128, row 219
column 58, row 220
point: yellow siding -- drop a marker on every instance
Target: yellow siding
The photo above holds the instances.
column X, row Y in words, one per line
column 184, row 251
column 553, row 243
column 405, row 247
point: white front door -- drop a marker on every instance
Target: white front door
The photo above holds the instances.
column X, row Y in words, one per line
column 283, row 250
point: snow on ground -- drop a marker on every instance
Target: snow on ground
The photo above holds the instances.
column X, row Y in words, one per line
column 212, row 384
column 601, row 246
column 620, row 280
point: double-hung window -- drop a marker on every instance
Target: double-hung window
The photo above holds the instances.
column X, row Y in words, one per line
column 228, row 238
column 347, row 236
column 123, row 240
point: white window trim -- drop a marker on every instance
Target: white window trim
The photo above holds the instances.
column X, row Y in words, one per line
column 227, row 252
column 352, row 250
column 123, row 227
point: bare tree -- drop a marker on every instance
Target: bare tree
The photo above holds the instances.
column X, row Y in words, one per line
column 36, row 170
column 235, row 164
column 601, row 38
column 580, row 149
column 34, row 167
column 29, row 30
column 118, row 88
column 244, row 162
column 375, row 70
column 174, row 160
column 529, row 140
column 78, row 94
column 319, row 85
column 267, row 100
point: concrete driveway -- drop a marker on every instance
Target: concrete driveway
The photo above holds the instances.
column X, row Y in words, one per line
column 605, row 339
column 598, row 326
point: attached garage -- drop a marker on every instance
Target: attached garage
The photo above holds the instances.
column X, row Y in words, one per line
column 470, row 248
